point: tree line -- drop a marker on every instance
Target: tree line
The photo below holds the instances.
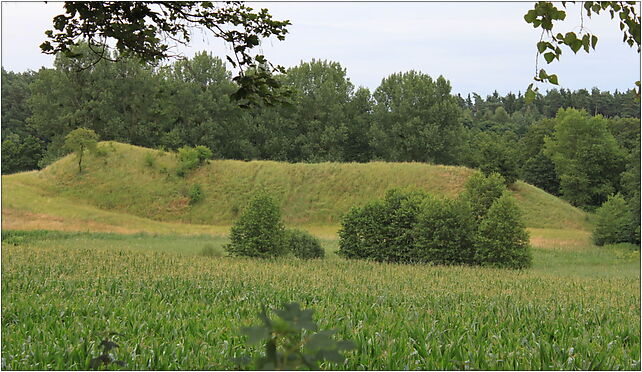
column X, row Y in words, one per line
column 411, row 116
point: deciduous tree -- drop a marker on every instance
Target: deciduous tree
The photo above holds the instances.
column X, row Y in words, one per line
column 80, row 141
column 587, row 158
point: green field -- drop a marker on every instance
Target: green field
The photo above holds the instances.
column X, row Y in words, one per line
column 176, row 309
column 123, row 265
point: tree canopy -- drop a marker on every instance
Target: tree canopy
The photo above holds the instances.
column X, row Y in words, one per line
column 81, row 140
column 586, row 156
column 149, row 30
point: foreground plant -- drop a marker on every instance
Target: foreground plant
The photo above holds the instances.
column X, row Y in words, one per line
column 292, row 341
column 106, row 359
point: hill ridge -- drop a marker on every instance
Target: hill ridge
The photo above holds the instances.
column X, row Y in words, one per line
column 142, row 182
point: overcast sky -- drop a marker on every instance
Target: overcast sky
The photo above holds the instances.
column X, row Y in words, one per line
column 479, row 47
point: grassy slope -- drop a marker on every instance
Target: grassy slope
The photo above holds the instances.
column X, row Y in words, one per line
column 119, row 192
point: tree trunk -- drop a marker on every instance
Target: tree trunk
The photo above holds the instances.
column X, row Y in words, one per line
column 82, row 150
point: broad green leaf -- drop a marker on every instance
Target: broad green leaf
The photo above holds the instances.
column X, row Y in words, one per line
column 529, row 96
column 586, row 42
column 569, row 38
column 553, row 79
column 256, row 334
column 530, row 16
column 576, row 45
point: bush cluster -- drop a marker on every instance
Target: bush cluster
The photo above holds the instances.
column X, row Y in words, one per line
column 190, row 158
column 481, row 227
column 382, row 230
column 259, row 232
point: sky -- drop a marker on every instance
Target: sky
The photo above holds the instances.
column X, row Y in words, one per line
column 478, row 46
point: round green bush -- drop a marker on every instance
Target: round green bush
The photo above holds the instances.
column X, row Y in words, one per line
column 303, row 245
column 259, row 231
column 614, row 222
column 502, row 239
column 358, row 236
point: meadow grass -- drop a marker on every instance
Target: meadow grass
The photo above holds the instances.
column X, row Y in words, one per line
column 123, row 190
column 577, row 308
column 25, row 206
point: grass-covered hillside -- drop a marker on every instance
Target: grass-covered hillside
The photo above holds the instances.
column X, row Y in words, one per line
column 137, row 189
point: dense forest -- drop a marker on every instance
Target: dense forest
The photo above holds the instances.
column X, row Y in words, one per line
column 582, row 145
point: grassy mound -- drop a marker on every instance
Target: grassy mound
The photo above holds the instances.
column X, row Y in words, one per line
column 139, row 184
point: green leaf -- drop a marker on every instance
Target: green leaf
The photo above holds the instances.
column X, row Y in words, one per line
column 549, row 57
column 586, row 42
column 553, row 79
column 560, row 15
column 321, row 340
column 256, row 334
column 569, row 38
column 593, row 41
column 530, row 16
column 530, row 95
column 345, row 345
column 576, row 45
column 332, row 356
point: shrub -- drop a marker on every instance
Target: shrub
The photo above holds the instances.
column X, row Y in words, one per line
column 481, row 191
column 195, row 194
column 303, row 245
column 382, row 230
column 414, row 227
column 149, row 160
column 259, row 231
column 502, row 240
column 21, row 153
column 202, row 154
column 614, row 222
column 444, row 233
column 190, row 158
column 359, row 236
